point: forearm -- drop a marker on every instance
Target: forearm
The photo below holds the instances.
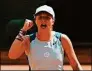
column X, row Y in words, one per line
column 75, row 63
column 17, row 47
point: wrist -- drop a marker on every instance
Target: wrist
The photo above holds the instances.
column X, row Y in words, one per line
column 23, row 32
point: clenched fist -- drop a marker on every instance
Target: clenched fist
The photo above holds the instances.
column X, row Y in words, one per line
column 27, row 25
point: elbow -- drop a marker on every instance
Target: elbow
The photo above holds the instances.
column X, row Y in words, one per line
column 76, row 66
column 12, row 56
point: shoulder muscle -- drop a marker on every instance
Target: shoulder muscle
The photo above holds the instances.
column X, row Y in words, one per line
column 66, row 42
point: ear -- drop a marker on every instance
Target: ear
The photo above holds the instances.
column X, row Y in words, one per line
column 53, row 21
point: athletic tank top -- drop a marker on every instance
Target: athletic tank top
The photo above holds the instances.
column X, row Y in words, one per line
column 46, row 55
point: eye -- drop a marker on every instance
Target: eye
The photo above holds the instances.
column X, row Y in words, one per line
column 48, row 17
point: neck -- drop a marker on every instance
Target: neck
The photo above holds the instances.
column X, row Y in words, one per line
column 44, row 35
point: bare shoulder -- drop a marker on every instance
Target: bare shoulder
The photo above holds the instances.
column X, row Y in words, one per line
column 65, row 37
column 66, row 42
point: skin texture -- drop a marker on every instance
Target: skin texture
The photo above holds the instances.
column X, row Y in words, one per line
column 18, row 47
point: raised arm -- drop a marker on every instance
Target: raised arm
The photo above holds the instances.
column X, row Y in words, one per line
column 70, row 53
column 21, row 42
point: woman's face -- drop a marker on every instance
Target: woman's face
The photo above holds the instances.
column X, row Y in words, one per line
column 44, row 21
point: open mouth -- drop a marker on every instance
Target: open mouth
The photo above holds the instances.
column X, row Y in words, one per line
column 43, row 26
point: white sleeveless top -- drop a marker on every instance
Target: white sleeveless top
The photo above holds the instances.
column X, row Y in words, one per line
column 46, row 55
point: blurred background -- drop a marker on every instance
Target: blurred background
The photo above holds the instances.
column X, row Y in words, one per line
column 73, row 17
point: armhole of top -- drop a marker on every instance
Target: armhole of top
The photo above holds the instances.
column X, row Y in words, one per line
column 32, row 36
column 58, row 35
